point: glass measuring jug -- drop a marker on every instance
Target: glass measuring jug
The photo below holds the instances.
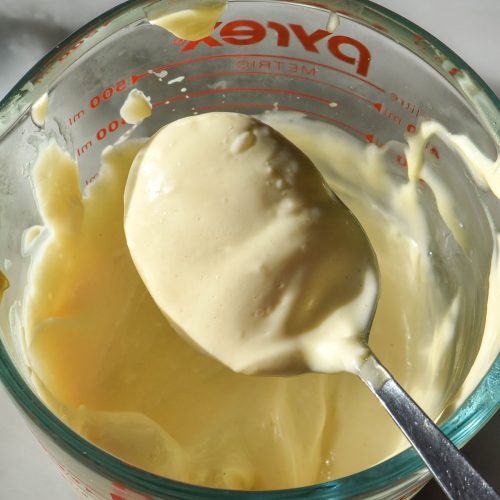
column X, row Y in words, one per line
column 280, row 55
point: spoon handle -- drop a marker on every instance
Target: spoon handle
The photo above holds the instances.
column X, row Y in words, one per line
column 457, row 478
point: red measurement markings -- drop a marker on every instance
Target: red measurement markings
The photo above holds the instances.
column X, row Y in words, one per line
column 411, row 128
column 401, row 159
column 287, row 67
column 243, row 89
column 111, row 127
column 91, row 179
column 121, row 85
column 108, row 93
column 438, row 57
column 105, row 95
column 101, row 134
column 74, row 118
column 394, row 118
column 127, row 494
column 77, row 483
column 373, row 139
column 347, row 126
column 60, row 56
column 292, row 76
column 378, row 27
column 407, row 105
column 386, row 113
column 418, row 39
column 83, row 149
column 433, row 150
column 136, row 77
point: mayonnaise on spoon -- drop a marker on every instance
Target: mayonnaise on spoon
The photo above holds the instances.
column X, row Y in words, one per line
column 244, row 250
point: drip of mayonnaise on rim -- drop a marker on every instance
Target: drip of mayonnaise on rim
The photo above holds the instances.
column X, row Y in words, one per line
column 39, row 110
column 193, row 23
column 244, row 250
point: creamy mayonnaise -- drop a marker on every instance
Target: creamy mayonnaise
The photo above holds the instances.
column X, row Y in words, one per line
column 245, row 251
column 39, row 110
column 107, row 361
column 193, row 23
column 136, row 108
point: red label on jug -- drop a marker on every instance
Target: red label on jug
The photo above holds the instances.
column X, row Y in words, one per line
column 245, row 32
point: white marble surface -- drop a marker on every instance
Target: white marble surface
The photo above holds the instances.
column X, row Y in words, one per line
column 29, row 28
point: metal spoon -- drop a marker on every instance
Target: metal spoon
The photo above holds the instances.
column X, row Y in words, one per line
column 454, row 474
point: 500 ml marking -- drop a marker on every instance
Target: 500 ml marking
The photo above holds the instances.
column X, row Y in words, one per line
column 108, row 93
column 95, row 102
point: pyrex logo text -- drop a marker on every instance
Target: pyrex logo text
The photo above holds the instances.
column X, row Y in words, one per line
column 248, row 32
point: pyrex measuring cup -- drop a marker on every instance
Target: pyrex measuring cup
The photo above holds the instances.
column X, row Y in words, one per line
column 374, row 76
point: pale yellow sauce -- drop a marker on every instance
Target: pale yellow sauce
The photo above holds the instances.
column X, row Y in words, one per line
column 106, row 360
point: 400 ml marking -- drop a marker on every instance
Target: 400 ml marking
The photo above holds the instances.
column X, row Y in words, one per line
column 101, row 134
